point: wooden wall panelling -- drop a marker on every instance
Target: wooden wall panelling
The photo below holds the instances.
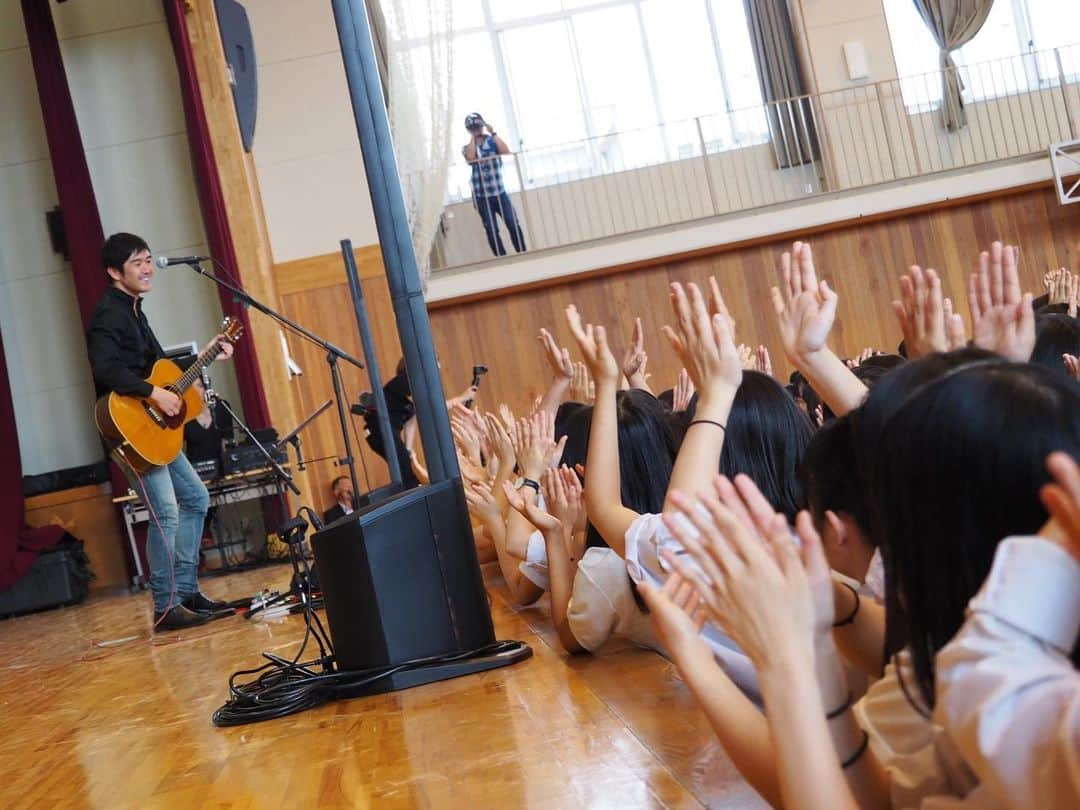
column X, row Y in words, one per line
column 862, row 261
column 314, row 293
column 90, row 515
column 243, row 204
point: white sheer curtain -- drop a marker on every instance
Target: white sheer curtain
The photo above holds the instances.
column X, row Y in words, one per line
column 420, row 53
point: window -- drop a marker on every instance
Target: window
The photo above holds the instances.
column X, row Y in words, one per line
column 1012, row 53
column 579, row 87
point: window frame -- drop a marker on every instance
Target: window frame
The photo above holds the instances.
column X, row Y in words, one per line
column 511, row 114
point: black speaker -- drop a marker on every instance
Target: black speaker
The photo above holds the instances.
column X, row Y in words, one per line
column 401, row 582
column 239, row 47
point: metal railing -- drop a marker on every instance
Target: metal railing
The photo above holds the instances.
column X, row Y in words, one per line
column 630, row 181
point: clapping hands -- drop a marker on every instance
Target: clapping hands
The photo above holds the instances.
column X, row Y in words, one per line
column 751, row 577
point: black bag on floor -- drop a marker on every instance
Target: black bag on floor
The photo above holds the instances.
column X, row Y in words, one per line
column 59, row 576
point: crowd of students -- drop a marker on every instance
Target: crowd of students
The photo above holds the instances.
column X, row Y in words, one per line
column 868, row 577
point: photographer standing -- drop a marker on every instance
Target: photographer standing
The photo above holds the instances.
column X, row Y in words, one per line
column 483, row 153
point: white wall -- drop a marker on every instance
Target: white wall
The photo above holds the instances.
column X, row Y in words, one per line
column 307, row 156
column 123, row 83
column 828, row 24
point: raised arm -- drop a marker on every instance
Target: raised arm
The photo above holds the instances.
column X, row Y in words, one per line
column 706, row 348
column 775, row 602
column 562, row 368
column 603, row 490
column 806, row 309
column 556, row 531
column 482, row 505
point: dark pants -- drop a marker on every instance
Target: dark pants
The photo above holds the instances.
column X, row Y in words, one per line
column 488, row 207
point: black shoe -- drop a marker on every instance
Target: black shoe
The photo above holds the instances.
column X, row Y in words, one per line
column 178, row 618
column 199, row 603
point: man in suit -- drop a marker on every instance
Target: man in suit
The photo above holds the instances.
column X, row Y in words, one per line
column 344, row 497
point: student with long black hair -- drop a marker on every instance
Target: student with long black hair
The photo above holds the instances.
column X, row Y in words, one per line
column 960, row 466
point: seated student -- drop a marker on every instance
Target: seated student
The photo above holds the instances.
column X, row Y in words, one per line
column 1007, row 692
column 743, row 421
column 344, row 500
column 986, row 428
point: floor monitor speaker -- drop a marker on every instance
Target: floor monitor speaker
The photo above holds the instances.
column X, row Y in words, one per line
column 401, row 582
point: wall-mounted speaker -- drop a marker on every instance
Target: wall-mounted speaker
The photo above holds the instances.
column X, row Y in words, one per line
column 239, row 48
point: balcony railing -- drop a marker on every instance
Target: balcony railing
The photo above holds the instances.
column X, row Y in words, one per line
column 625, row 182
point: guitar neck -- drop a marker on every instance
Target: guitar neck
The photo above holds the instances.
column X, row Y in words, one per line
column 195, row 369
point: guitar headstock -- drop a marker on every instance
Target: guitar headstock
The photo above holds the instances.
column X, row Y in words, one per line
column 232, row 329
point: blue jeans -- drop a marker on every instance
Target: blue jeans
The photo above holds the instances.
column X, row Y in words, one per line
column 488, row 207
column 178, row 501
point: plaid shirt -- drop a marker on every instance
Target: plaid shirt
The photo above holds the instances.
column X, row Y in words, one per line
column 487, row 178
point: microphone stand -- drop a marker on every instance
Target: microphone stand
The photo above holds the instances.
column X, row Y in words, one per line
column 333, row 355
column 282, row 474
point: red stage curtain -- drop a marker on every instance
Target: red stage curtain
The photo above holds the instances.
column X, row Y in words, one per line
column 212, row 203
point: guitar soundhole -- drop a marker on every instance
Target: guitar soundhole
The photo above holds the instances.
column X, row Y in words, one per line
column 178, row 420
column 162, row 420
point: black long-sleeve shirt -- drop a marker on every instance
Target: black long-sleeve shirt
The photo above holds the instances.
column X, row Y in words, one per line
column 121, row 345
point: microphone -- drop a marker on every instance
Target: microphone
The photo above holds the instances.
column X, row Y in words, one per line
column 164, row 261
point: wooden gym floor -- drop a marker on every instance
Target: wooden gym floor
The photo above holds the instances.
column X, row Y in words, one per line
column 129, row 725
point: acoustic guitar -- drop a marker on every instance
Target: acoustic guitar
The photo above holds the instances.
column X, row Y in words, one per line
column 140, row 434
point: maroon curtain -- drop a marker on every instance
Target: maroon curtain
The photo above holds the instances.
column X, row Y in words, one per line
column 75, row 192
column 212, row 203
column 19, row 545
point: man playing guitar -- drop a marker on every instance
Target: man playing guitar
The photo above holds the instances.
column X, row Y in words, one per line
column 122, row 350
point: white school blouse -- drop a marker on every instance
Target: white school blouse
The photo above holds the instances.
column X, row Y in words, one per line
column 645, row 538
column 1006, row 689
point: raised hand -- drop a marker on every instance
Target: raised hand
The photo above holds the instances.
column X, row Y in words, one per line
column 592, row 340
column 482, row 504
column 1074, row 296
column 582, row 389
column 501, row 445
column 634, row 356
column 466, row 437
column 753, row 580
column 955, row 331
column 678, row 616
column 524, row 500
column 558, row 358
column 805, row 307
column 763, row 362
column 1072, row 365
column 535, row 447
column 683, row 393
column 921, row 312
column 746, row 357
column 1002, row 318
column 564, row 498
column 704, row 343
column 1058, row 283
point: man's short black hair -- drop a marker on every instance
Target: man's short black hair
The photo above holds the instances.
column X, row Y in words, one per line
column 120, row 247
column 334, row 483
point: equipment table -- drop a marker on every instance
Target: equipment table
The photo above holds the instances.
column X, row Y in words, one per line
column 237, row 488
